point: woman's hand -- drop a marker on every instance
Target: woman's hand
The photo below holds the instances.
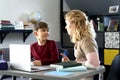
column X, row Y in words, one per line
column 37, row 63
column 64, row 57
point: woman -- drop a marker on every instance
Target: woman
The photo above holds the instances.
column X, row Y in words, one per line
column 81, row 33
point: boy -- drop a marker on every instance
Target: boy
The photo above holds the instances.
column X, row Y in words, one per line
column 44, row 51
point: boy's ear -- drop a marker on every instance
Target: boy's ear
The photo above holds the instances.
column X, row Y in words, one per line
column 35, row 33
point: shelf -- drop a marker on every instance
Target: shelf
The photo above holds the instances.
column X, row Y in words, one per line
column 3, row 33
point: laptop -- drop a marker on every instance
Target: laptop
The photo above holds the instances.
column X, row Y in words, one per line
column 20, row 58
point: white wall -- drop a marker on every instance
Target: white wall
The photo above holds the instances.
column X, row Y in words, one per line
column 65, row 6
column 16, row 10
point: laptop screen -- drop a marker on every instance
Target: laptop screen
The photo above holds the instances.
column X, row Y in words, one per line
column 20, row 56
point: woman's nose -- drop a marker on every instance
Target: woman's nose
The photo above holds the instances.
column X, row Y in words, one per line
column 65, row 27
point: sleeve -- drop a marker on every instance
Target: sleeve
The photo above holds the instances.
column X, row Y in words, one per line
column 89, row 45
column 54, row 55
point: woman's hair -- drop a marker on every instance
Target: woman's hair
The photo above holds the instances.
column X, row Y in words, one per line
column 82, row 27
column 39, row 25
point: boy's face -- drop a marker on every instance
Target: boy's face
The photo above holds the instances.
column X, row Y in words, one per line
column 42, row 34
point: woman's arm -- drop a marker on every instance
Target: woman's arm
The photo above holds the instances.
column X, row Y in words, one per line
column 91, row 61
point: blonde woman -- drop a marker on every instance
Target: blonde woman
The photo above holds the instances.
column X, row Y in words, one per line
column 81, row 33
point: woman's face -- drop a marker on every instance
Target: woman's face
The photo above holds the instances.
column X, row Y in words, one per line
column 42, row 34
column 68, row 27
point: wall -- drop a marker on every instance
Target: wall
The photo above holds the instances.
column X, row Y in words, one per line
column 16, row 10
column 93, row 7
column 65, row 6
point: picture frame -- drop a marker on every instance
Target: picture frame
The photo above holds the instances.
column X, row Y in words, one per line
column 114, row 9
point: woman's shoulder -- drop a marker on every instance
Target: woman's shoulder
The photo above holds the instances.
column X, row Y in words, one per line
column 87, row 41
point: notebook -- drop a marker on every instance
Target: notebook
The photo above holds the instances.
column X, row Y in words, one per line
column 73, row 69
column 67, row 64
column 20, row 58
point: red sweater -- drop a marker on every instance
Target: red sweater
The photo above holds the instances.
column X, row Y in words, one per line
column 47, row 53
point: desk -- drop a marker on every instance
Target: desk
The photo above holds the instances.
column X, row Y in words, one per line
column 41, row 75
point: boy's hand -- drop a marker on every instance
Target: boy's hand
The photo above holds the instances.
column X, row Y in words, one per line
column 64, row 57
column 37, row 63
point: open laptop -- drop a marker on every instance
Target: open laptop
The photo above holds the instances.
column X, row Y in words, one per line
column 20, row 58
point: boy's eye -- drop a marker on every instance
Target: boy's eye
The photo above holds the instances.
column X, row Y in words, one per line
column 43, row 30
column 47, row 30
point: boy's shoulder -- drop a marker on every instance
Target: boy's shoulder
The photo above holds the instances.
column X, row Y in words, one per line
column 48, row 42
column 35, row 43
column 51, row 41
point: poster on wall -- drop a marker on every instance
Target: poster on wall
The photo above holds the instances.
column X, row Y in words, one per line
column 112, row 40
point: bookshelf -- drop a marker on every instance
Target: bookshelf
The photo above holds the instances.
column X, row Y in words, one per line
column 111, row 46
column 108, row 36
column 3, row 33
column 105, row 22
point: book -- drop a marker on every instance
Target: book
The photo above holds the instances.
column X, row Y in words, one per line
column 73, row 69
column 5, row 22
column 62, row 65
column 113, row 25
column 7, row 28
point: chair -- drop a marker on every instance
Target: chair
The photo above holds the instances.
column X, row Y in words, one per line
column 114, row 73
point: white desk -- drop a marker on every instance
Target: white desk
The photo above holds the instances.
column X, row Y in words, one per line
column 41, row 75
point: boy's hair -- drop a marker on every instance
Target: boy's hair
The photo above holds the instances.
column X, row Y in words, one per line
column 39, row 25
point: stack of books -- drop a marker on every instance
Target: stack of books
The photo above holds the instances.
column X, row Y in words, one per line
column 5, row 24
column 70, row 66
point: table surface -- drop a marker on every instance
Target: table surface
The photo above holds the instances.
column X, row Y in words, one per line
column 41, row 75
